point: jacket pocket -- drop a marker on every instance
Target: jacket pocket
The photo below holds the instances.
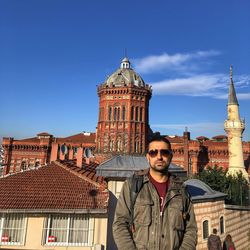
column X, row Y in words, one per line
column 142, row 222
column 143, row 212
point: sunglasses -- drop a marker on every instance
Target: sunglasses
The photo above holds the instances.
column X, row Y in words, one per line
column 163, row 152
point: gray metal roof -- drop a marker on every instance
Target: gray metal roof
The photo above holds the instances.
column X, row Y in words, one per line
column 201, row 191
column 232, row 98
column 126, row 165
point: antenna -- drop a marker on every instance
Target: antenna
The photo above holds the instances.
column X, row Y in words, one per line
column 125, row 52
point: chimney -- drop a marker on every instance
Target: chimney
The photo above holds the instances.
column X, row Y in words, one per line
column 79, row 157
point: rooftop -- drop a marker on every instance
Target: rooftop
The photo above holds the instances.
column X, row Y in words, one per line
column 60, row 186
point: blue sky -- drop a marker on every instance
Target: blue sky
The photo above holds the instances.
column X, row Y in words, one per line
column 53, row 54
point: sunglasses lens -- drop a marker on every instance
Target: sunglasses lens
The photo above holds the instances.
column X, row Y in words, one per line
column 153, row 153
column 165, row 152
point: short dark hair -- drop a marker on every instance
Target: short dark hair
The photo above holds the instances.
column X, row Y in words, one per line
column 214, row 231
column 159, row 138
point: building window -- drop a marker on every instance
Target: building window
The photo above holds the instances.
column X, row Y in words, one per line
column 123, row 113
column 141, row 114
column 111, row 145
column 221, row 225
column 118, row 114
column 69, row 230
column 137, row 146
column 205, row 229
column 119, row 145
column 12, row 229
column 115, row 113
column 136, row 113
column 110, row 114
column 101, row 114
column 23, row 165
column 132, row 113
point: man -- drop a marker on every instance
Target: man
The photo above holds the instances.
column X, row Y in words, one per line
column 160, row 220
column 214, row 242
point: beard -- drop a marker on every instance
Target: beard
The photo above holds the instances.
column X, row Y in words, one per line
column 161, row 167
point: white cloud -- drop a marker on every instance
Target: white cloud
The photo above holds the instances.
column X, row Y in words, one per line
column 177, row 61
column 213, row 85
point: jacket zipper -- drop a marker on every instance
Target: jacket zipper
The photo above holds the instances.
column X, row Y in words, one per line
column 162, row 213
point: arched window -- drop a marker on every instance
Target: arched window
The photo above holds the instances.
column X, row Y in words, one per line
column 118, row 113
column 141, row 114
column 119, row 145
column 137, row 146
column 99, row 145
column 115, row 113
column 132, row 113
column 23, row 165
column 100, row 114
column 205, row 229
column 123, row 113
column 136, row 113
column 111, row 146
column 110, row 114
column 222, row 225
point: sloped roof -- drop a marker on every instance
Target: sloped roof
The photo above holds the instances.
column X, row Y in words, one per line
column 126, row 165
column 44, row 134
column 200, row 191
column 79, row 138
column 53, row 188
column 27, row 140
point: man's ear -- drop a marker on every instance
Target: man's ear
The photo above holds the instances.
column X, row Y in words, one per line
column 147, row 156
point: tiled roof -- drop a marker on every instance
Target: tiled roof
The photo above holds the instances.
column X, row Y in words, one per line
column 87, row 171
column 219, row 137
column 28, row 140
column 78, row 138
column 175, row 139
column 55, row 187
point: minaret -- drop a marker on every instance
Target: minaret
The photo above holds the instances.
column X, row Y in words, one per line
column 234, row 128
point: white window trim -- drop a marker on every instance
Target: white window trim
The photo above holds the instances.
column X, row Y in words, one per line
column 90, row 234
column 22, row 240
column 209, row 227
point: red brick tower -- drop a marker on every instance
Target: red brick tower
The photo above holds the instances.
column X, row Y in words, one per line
column 123, row 112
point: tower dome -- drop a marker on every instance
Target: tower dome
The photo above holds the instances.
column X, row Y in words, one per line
column 124, row 76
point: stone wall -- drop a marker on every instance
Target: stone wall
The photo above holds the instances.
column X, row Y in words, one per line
column 238, row 225
column 236, row 222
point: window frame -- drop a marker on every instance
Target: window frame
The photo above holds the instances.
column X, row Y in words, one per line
column 208, row 227
column 23, row 228
column 90, row 230
column 223, row 228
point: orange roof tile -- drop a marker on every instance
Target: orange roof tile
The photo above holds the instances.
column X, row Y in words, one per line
column 53, row 187
column 78, row 138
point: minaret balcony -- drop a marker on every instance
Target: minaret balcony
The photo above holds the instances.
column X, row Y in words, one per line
column 238, row 124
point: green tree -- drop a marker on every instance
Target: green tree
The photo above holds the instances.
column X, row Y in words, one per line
column 236, row 187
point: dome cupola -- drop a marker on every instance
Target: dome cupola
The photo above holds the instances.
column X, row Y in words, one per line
column 124, row 76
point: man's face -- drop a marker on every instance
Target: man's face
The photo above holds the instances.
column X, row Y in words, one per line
column 159, row 156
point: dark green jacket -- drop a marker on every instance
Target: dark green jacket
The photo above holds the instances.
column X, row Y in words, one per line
column 153, row 232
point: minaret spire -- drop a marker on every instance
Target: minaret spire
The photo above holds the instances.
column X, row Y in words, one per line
column 234, row 128
column 232, row 99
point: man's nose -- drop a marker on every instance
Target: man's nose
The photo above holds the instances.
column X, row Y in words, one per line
column 159, row 155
